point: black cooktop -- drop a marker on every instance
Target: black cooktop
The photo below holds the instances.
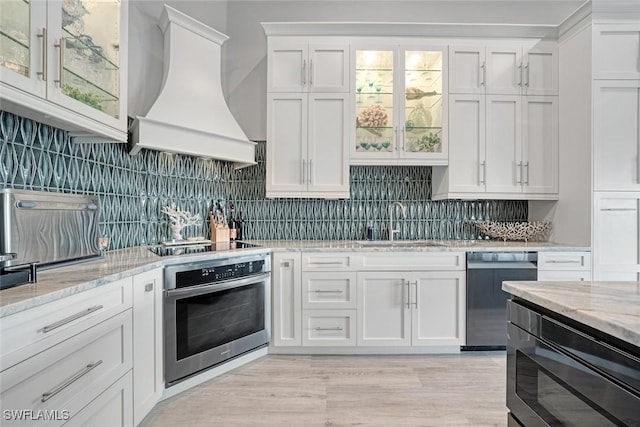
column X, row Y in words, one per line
column 162, row 250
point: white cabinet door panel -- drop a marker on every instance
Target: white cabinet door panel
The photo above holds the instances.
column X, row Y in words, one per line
column 540, row 144
column 329, row 68
column 328, row 290
column 504, row 75
column 616, row 135
column 328, row 150
column 287, row 299
column 504, row 150
column 384, row 315
column 540, row 71
column 285, row 63
column 467, row 165
column 466, row 69
column 616, row 51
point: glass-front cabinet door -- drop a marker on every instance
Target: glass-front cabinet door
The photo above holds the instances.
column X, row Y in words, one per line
column 400, row 111
column 87, row 42
column 23, row 39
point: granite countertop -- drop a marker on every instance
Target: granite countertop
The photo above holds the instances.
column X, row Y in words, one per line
column 405, row 245
column 59, row 282
column 610, row 307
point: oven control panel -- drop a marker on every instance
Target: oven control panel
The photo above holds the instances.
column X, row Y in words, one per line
column 218, row 273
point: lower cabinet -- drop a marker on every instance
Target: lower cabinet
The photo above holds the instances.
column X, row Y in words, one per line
column 411, row 309
column 356, row 304
column 147, row 342
column 564, row 266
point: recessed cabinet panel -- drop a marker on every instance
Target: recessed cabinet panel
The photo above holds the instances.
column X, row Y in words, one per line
column 617, row 135
column 467, row 165
column 329, row 68
column 467, row 72
column 287, row 308
column 328, row 290
column 617, row 49
column 540, row 144
column 286, row 72
column 540, row 71
column 616, row 232
column 504, row 71
column 504, row 164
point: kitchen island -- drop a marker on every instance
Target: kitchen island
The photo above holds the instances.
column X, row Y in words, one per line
column 573, row 353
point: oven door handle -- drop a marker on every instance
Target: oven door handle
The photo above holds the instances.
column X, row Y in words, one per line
column 216, row 287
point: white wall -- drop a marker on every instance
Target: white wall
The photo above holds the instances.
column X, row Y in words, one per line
column 571, row 215
column 244, row 55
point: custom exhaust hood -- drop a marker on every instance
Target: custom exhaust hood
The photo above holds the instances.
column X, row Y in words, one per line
column 190, row 115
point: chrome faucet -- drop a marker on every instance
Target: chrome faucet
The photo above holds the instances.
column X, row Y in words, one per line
column 404, row 215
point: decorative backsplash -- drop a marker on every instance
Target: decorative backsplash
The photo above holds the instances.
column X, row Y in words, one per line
column 133, row 190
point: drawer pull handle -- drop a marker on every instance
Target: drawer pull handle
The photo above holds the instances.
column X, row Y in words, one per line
column 553, row 261
column 326, row 262
column 320, row 291
column 618, row 209
column 84, row 371
column 337, row 328
column 71, row 318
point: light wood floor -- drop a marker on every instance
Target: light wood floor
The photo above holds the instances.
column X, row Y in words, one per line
column 429, row 390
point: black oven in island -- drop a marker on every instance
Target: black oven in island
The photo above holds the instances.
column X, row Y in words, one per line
column 560, row 373
column 214, row 310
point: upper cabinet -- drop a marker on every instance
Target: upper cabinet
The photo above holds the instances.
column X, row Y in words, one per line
column 308, row 67
column 399, row 105
column 617, row 49
column 64, row 62
column 507, row 70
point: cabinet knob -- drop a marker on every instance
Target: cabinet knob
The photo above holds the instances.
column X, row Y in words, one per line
column 148, row 287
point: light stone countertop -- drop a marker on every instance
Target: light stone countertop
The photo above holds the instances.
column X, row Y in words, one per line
column 59, row 282
column 610, row 307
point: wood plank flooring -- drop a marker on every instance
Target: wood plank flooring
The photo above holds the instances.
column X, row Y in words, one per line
column 418, row 390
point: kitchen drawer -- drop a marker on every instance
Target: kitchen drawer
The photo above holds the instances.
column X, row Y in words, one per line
column 411, row 261
column 29, row 332
column 329, row 290
column 71, row 374
column 113, row 408
column 564, row 261
column 564, row 275
column 324, row 261
column 322, row 328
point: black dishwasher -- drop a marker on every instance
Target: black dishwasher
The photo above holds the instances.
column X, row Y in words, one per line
column 486, row 301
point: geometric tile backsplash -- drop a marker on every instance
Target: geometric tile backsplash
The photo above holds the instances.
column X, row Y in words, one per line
column 133, row 190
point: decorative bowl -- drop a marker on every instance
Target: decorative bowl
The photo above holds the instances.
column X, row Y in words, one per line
column 517, row 230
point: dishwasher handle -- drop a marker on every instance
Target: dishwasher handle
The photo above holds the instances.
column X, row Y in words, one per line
column 501, row 265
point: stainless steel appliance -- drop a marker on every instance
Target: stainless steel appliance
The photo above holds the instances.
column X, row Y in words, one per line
column 213, row 311
column 14, row 274
column 486, row 301
column 561, row 373
column 48, row 227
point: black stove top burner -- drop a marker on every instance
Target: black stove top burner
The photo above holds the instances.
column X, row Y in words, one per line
column 199, row 248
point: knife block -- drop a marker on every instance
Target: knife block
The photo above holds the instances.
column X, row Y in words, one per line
column 218, row 233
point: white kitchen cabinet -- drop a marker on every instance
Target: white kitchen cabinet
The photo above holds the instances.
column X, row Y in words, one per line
column 113, row 408
column 63, row 63
column 616, row 135
column 307, row 145
column 400, row 105
column 72, row 373
column 411, row 309
column 564, row 266
column 616, row 51
column 616, row 238
column 328, row 289
column 504, row 70
column 287, row 299
column 147, row 342
column 507, row 148
column 301, row 66
column 329, row 328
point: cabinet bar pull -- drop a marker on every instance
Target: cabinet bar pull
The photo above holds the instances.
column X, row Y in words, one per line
column 71, row 318
column 519, row 75
column 60, row 80
column 526, row 166
column 326, row 262
column 483, row 73
column 84, row 371
column 408, row 292
column 518, row 166
column 395, row 130
column 403, row 134
column 304, row 72
column 337, row 328
column 320, row 291
column 148, row 287
column 557, row 261
column 482, row 179
column 302, row 164
column 284, row 263
column 311, row 72
column 43, row 73
column 619, row 209
column 526, row 69
column 310, row 172
column 416, row 300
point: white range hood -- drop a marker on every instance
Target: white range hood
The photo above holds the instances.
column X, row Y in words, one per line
column 190, row 115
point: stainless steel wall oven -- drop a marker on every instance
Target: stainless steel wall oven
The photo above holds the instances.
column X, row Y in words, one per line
column 559, row 374
column 213, row 311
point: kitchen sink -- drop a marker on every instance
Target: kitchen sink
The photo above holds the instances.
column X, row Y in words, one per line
column 399, row 244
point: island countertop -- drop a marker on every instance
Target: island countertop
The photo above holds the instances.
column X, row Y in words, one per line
column 610, row 307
